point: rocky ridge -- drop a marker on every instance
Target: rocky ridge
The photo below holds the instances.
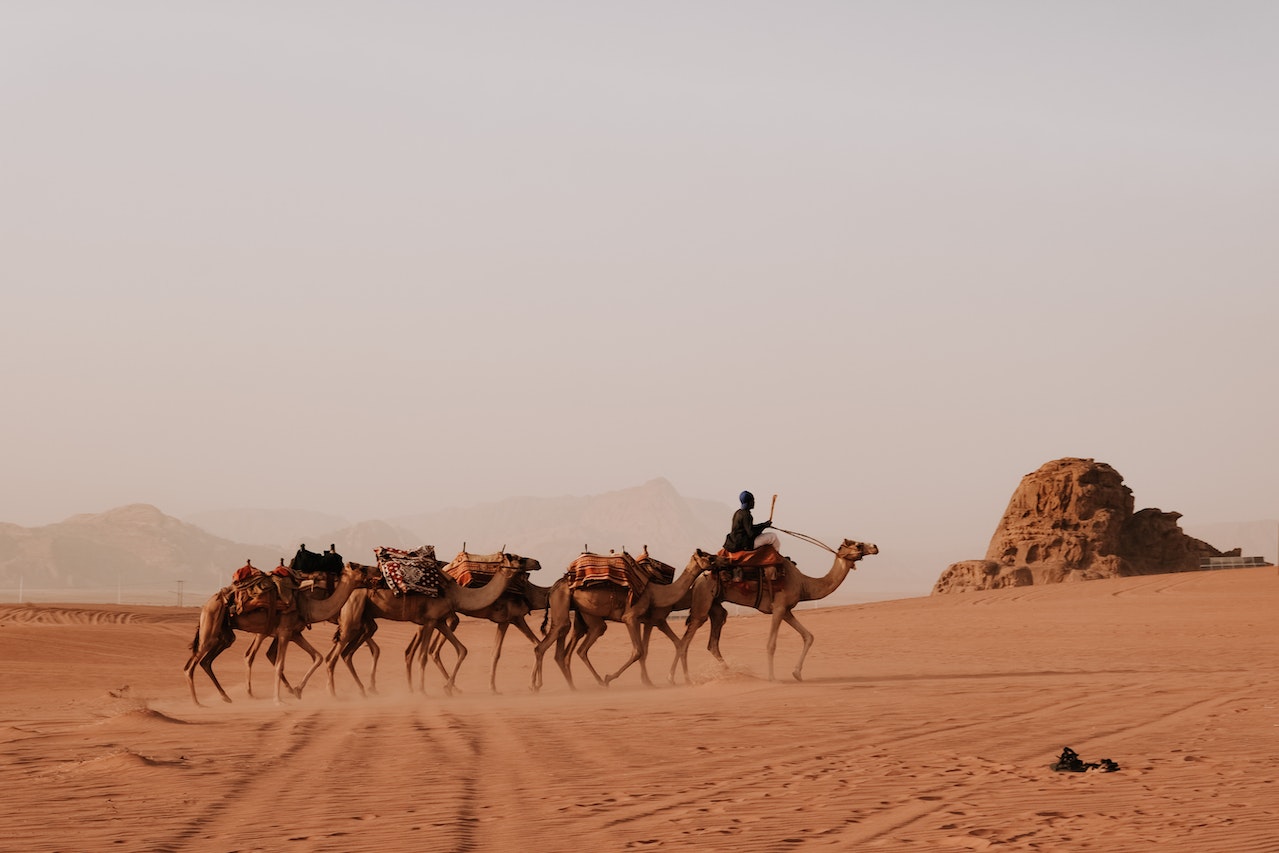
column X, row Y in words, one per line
column 1073, row 519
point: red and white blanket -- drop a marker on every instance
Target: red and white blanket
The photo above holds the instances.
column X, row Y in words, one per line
column 411, row 571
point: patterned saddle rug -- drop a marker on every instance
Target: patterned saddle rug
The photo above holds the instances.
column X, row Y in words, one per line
column 621, row 569
column 411, row 571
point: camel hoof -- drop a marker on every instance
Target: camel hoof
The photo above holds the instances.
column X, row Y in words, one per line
column 226, row 699
column 798, row 675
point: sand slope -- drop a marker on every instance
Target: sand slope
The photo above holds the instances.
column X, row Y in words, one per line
column 923, row 724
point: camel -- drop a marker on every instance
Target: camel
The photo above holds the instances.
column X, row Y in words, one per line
column 608, row 601
column 656, row 617
column 217, row 627
column 510, row 609
column 357, row 622
column 776, row 598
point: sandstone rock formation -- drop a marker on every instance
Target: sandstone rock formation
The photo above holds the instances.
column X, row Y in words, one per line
column 1073, row 520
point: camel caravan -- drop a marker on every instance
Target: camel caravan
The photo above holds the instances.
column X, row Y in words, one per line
column 416, row 587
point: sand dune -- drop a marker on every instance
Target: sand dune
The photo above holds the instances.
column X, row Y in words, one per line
column 923, row 724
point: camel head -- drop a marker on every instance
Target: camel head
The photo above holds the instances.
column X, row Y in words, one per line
column 854, row 551
column 366, row 577
column 699, row 562
column 522, row 564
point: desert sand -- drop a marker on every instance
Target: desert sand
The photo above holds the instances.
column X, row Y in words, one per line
column 922, row 724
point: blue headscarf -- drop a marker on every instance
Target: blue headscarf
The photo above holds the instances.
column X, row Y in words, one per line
column 745, row 498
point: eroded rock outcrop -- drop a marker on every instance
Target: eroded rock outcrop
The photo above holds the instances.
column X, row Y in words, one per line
column 1070, row 520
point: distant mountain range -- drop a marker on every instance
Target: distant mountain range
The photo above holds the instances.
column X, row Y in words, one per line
column 140, row 549
column 138, row 545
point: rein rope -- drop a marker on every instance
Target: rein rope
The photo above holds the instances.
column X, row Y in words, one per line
column 806, row 538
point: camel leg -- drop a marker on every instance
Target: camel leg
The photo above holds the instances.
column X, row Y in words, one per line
column 665, row 628
column 637, row 652
column 427, row 637
column 554, row 636
column 348, row 655
column 436, row 651
column 563, row 652
column 376, row 651
column 316, row 660
column 279, row 669
column 436, row 647
column 539, row 651
column 536, row 682
column 704, row 606
column 450, row 686
column 594, row 630
column 718, row 615
column 409, row 652
column 271, row 651
column 331, row 658
column 646, row 634
column 522, row 626
column 203, row 657
column 681, row 650
column 807, row 636
column 249, row 654
column 497, row 654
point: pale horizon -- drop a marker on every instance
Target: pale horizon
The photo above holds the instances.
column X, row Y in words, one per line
column 882, row 260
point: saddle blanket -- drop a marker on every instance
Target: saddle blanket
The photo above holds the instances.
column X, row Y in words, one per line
column 620, row 569
column 656, row 570
column 765, row 555
column 411, row 571
column 253, row 589
column 474, row 569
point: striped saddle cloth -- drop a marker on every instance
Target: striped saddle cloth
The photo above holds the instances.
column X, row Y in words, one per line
column 475, row 569
column 620, row 569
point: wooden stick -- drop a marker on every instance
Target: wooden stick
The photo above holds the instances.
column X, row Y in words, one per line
column 770, row 508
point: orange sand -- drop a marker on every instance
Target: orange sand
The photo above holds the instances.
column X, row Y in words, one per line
column 923, row 724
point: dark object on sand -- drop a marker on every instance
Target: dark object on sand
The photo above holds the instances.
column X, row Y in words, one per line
column 1069, row 762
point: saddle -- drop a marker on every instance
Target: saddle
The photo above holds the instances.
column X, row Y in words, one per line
column 252, row 589
column 657, row 571
column 763, row 563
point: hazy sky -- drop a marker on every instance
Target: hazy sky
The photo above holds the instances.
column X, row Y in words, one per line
column 883, row 259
